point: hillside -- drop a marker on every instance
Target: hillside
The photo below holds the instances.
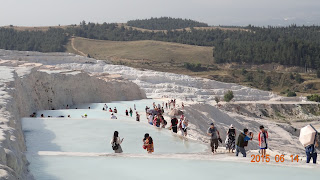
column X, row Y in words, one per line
column 171, row 57
column 291, row 46
column 144, row 53
column 165, row 23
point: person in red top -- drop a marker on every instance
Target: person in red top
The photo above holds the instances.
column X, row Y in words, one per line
column 262, row 137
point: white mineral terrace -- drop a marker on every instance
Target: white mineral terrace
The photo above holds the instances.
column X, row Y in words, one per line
column 79, row 148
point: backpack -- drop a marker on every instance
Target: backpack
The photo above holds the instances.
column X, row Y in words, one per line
column 115, row 146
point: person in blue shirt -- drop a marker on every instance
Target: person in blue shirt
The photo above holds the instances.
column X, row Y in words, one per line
column 242, row 141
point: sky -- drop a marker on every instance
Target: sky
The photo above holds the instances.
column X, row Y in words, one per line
column 213, row 12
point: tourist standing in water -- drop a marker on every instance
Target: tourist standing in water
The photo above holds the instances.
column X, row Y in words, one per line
column 262, row 137
column 127, row 113
column 184, row 128
column 231, row 139
column 215, row 135
column 150, row 119
column 115, row 142
column 131, row 112
column 149, row 145
column 115, row 110
column 146, row 136
column 174, row 124
column 137, row 116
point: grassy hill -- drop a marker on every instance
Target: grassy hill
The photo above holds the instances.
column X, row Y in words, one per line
column 146, row 52
column 171, row 57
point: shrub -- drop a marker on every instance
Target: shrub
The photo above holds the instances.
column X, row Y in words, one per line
column 267, row 81
column 298, row 78
column 291, row 94
column 243, row 71
column 217, row 99
column 249, row 77
column 228, row 96
column 314, row 97
column 194, row 67
column 318, row 73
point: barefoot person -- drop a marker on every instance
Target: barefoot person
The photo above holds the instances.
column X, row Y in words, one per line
column 115, row 142
column 214, row 136
column 149, row 145
column 174, row 124
column 137, row 116
column 231, row 139
column 262, row 137
column 130, row 112
column 113, row 116
column 184, row 128
column 146, row 136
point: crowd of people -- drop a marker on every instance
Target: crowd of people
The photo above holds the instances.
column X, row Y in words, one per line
column 155, row 117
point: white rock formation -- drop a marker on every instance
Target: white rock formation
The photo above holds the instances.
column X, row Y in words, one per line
column 155, row 84
column 24, row 89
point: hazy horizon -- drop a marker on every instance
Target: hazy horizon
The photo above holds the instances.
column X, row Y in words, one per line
column 213, row 12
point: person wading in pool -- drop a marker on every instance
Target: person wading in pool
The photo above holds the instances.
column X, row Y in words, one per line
column 137, row 116
column 215, row 135
column 131, row 112
column 149, row 145
column 115, row 142
column 174, row 125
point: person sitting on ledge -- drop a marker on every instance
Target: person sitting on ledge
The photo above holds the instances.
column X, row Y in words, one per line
column 113, row 116
column 33, row 114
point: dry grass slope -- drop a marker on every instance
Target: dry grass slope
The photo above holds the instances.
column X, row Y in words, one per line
column 170, row 57
column 144, row 51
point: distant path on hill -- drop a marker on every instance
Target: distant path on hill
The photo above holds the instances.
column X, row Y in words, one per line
column 75, row 49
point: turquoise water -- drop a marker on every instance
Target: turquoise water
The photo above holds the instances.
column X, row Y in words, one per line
column 101, row 168
column 93, row 134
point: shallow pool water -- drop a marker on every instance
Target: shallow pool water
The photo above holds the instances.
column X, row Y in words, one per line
column 82, row 140
column 94, row 135
column 100, row 168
